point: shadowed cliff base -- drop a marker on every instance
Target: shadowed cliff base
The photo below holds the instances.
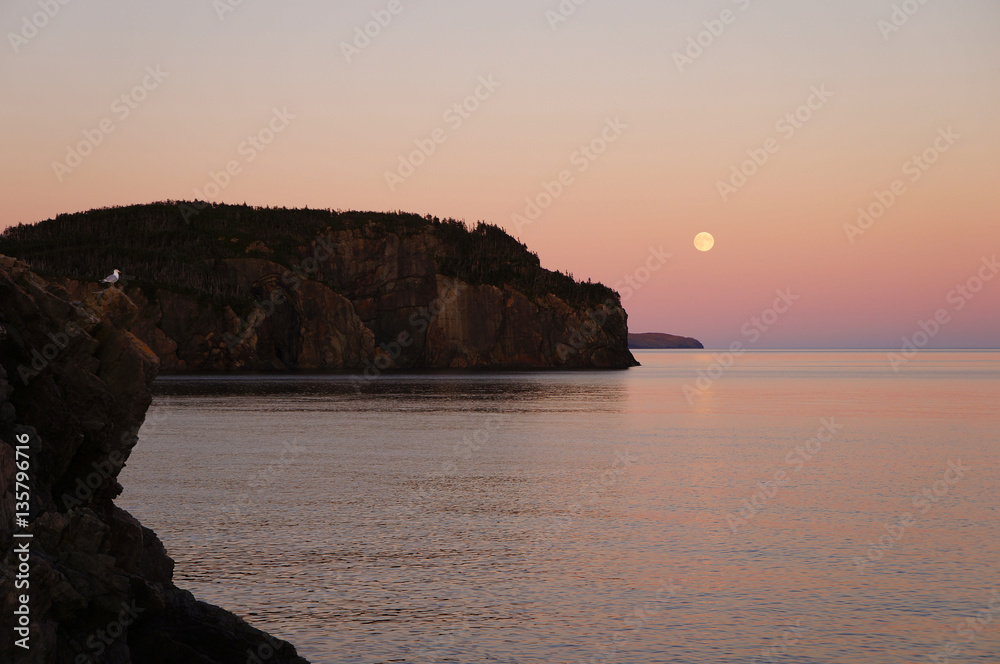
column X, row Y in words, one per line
column 223, row 288
column 74, row 389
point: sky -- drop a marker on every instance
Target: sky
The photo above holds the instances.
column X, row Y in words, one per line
column 604, row 135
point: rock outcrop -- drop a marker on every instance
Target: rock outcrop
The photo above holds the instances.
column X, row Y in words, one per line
column 249, row 289
column 301, row 324
column 74, row 389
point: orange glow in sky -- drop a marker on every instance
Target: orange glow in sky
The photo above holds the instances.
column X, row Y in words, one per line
column 832, row 149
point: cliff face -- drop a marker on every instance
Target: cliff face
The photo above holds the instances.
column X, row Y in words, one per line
column 327, row 291
column 74, row 388
column 422, row 318
column 300, row 324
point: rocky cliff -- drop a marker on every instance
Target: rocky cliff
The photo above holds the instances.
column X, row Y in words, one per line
column 74, row 388
column 229, row 288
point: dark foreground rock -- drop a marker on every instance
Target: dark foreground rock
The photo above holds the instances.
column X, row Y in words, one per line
column 74, row 388
column 656, row 340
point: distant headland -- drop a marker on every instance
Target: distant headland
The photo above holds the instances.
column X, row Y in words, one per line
column 226, row 288
column 657, row 340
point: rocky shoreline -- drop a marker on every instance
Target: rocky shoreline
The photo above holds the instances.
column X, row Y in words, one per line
column 74, row 389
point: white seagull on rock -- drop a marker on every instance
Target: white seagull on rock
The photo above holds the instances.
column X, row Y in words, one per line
column 112, row 278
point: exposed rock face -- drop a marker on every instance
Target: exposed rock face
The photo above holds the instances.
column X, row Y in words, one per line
column 651, row 340
column 74, row 384
column 304, row 324
column 397, row 290
column 394, row 310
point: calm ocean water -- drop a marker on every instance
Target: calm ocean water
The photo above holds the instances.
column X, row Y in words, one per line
column 593, row 517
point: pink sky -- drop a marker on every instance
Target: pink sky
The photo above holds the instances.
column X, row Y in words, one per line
column 681, row 129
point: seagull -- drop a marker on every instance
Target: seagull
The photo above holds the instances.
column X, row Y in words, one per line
column 112, row 278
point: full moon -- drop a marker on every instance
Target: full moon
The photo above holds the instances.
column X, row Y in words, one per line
column 704, row 242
